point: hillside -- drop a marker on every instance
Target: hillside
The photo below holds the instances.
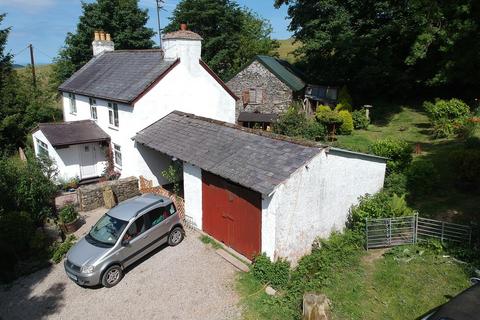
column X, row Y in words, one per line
column 285, row 51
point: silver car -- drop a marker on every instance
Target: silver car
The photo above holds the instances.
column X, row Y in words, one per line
column 123, row 235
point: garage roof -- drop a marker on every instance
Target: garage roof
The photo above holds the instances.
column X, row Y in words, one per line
column 258, row 161
column 63, row 134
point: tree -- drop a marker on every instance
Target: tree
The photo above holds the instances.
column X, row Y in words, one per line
column 232, row 35
column 123, row 19
column 380, row 45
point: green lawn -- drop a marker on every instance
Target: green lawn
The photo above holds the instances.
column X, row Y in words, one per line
column 377, row 287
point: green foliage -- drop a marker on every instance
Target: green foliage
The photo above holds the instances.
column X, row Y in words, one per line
column 345, row 99
column 60, row 250
column 232, row 35
column 396, row 183
column 360, row 120
column 68, row 214
column 422, row 178
column 466, row 164
column 329, row 118
column 398, row 152
column 276, row 274
column 123, row 19
column 379, row 205
column 322, row 108
column 207, row 240
column 173, row 174
column 291, row 123
column 314, row 130
column 388, row 47
column 347, row 124
column 446, row 116
column 16, row 231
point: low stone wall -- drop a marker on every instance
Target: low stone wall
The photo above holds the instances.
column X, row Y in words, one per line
column 91, row 196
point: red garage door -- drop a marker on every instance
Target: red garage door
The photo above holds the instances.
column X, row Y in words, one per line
column 232, row 214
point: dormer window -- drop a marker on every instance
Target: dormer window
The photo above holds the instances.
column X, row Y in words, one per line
column 73, row 104
column 113, row 114
column 93, row 109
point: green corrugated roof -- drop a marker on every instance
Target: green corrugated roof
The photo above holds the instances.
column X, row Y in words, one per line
column 283, row 71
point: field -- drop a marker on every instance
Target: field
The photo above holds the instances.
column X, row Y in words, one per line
column 285, row 51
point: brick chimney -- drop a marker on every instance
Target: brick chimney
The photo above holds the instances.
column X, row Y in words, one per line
column 102, row 42
column 183, row 44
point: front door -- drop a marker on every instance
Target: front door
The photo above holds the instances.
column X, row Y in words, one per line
column 88, row 161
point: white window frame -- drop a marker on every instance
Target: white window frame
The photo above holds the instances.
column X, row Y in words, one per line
column 42, row 148
column 113, row 118
column 93, row 108
column 117, row 155
column 73, row 103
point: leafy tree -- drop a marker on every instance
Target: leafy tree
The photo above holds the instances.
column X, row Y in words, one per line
column 232, row 35
column 123, row 19
column 379, row 45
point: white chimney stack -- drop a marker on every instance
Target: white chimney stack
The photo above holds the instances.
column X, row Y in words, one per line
column 102, row 42
column 183, row 44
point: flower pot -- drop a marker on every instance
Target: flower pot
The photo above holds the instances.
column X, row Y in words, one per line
column 71, row 227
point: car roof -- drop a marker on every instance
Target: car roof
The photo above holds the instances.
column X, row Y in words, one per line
column 128, row 209
column 464, row 306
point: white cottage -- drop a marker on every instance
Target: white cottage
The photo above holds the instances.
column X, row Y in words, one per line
column 120, row 92
column 260, row 192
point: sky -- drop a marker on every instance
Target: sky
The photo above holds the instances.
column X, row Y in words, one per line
column 45, row 23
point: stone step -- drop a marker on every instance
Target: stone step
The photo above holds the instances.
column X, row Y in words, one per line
column 234, row 261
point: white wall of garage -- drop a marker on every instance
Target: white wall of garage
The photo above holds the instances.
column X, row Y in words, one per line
column 192, row 184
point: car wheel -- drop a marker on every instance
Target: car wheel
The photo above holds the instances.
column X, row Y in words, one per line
column 176, row 236
column 112, row 276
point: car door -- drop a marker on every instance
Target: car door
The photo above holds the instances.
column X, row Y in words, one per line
column 137, row 238
column 160, row 223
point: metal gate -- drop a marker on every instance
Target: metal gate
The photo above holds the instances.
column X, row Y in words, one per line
column 387, row 232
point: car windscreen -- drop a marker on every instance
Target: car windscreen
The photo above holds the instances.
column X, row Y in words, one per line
column 107, row 230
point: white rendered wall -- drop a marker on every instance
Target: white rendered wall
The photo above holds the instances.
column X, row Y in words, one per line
column 189, row 51
column 192, row 184
column 316, row 200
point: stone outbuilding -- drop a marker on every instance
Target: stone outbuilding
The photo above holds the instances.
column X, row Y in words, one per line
column 260, row 192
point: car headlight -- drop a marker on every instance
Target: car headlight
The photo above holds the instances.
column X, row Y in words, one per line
column 86, row 269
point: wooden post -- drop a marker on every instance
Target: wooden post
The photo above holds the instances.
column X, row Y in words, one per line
column 32, row 62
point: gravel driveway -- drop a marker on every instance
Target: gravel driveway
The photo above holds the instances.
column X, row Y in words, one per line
column 189, row 281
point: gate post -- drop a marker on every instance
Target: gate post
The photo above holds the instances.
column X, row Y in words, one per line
column 443, row 230
column 366, row 232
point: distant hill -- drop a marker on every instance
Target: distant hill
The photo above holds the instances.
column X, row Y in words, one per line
column 285, row 51
column 17, row 66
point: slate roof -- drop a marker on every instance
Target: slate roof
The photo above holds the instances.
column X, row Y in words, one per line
column 182, row 34
column 121, row 75
column 63, row 134
column 258, row 161
column 284, row 71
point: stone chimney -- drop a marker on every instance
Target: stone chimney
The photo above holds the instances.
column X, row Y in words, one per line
column 102, row 42
column 183, row 44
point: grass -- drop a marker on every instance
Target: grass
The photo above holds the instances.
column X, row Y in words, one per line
column 286, row 48
column 378, row 287
column 207, row 240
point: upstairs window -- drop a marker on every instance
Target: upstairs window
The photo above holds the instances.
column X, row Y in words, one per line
column 73, row 103
column 253, row 96
column 117, row 155
column 42, row 148
column 113, row 114
column 93, row 109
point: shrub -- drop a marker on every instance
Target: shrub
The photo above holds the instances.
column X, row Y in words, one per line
column 380, row 205
column 345, row 99
column 398, row 152
column 339, row 107
column 360, row 120
column 274, row 273
column 446, row 116
column 347, row 125
column 322, row 108
column 314, row 130
column 466, row 164
column 292, row 123
column 68, row 214
column 422, row 177
column 329, row 118
column 16, row 231
column 396, row 183
column 60, row 250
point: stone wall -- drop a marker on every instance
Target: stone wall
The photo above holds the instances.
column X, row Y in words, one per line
column 277, row 95
column 91, row 196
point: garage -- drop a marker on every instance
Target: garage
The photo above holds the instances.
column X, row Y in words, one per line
column 232, row 214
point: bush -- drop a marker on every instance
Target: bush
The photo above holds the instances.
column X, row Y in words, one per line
column 314, row 130
column 446, row 116
column 330, row 119
column 274, row 273
column 292, row 123
column 422, row 177
column 345, row 99
column 322, row 108
column 466, row 165
column 398, row 152
column 380, row 205
column 60, row 250
column 396, row 183
column 360, row 120
column 347, row 125
column 68, row 214
column 16, row 231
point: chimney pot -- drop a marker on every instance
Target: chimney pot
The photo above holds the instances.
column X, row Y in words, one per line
column 107, row 37
column 183, row 26
column 96, row 35
column 102, row 36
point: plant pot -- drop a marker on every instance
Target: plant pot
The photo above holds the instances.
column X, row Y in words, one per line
column 71, row 227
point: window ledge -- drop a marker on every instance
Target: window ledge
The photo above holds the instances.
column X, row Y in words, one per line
column 113, row 128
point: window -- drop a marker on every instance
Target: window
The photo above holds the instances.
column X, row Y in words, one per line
column 135, row 228
column 107, row 230
column 42, row 149
column 113, row 114
column 93, row 109
column 117, row 154
column 157, row 215
column 73, row 103
column 253, row 96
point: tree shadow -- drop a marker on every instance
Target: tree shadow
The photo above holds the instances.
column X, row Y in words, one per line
column 23, row 300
